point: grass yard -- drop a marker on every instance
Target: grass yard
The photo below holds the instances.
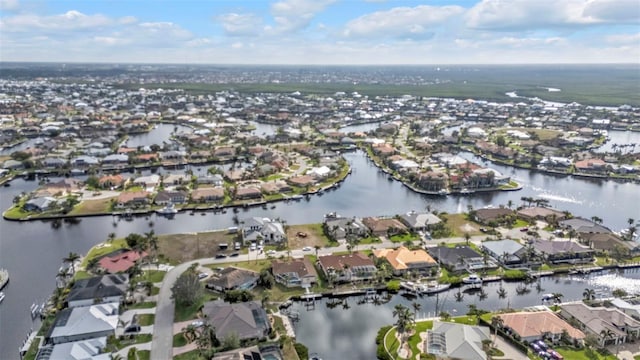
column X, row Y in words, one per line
column 459, row 224
column 572, row 354
column 252, row 265
column 118, row 344
column 191, row 355
column 155, row 276
column 414, row 339
column 179, row 340
column 92, row 207
column 143, row 354
column 103, row 249
column 184, row 313
column 179, row 248
column 401, row 238
column 142, row 305
column 146, row 319
column 543, row 134
column 314, row 236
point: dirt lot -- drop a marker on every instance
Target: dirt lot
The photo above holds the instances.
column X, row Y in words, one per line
column 460, row 225
column 183, row 247
column 313, row 232
column 92, row 206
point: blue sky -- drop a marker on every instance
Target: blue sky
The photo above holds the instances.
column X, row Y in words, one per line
column 321, row 31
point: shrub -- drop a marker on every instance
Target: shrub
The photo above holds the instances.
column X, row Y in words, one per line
column 393, row 286
column 302, row 351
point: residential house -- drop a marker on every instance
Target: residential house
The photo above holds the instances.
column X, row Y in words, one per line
column 84, row 161
column 630, row 307
column 419, row 221
column 590, row 166
column 433, row 181
column 247, row 321
column 257, row 229
column 609, row 243
column 176, row 179
column 383, row 149
column 339, row 227
column 214, row 179
column 248, row 192
column 384, row 226
column 301, row 181
column 53, row 163
column 120, row 260
column 275, row 187
column 150, row 181
column 84, row 322
column 171, row 197
column 540, row 213
column 104, row 289
column 599, row 320
column 115, row 159
column 39, row 204
column 232, row 278
column 581, row 225
column 403, row 260
column 65, row 186
column 93, row 349
column 497, row 215
column 534, row 325
column 457, row 341
column 319, row 173
column 506, row 252
column 207, row 194
column 294, row 272
column 461, row 258
column 563, row 251
column 133, row 198
column 346, row 268
column 112, row 181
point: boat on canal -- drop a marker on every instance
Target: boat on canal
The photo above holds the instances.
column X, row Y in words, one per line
column 472, row 279
column 168, row 210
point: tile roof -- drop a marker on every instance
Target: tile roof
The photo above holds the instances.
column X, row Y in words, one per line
column 530, row 324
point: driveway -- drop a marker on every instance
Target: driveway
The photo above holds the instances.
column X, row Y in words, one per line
column 510, row 352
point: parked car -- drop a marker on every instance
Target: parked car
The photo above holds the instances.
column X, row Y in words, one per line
column 197, row 323
column 202, row 275
column 524, row 229
column 271, row 252
column 132, row 329
column 235, row 254
column 221, row 256
column 306, row 248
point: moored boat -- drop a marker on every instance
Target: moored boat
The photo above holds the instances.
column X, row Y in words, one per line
column 472, row 279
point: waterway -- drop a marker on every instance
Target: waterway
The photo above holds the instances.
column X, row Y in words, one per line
column 159, row 134
column 340, row 332
column 33, row 251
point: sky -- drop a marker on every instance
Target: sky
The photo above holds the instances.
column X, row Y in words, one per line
column 319, row 32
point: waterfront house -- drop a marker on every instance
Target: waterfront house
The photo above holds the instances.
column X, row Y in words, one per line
column 248, row 192
column 83, row 161
column 497, row 215
column 534, row 325
column 590, row 166
column 115, row 159
column 419, row 221
column 563, row 251
column 630, row 307
column 301, row 181
column 609, row 243
column 132, row 198
column 120, row 260
column 53, row 163
column 246, row 321
column 171, row 197
column 581, row 225
column 84, row 322
column 93, row 349
column 262, row 229
column 599, row 320
column 275, row 187
column 540, row 213
column 39, row 204
column 232, row 278
column 103, row 289
column 176, row 179
column 456, row 341
column 64, row 186
column 149, row 182
column 403, row 260
column 294, row 272
column 384, row 226
column 383, row 149
column 349, row 267
column 461, row 258
column 433, row 181
column 12, row 164
column 207, row 194
column 214, row 179
column 506, row 252
column 339, row 227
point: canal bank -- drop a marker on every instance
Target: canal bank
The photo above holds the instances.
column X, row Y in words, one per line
column 366, row 192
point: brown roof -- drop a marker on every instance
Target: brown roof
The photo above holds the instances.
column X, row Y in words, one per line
column 528, row 324
column 247, row 191
column 492, row 214
column 302, row 267
column 376, row 224
column 541, row 212
column 214, row 192
column 302, row 180
column 401, row 257
column 127, row 196
column 337, row 262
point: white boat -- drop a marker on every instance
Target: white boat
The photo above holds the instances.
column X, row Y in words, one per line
column 168, row 210
column 296, row 197
column 472, row 279
column 434, row 287
column 1, row 296
column 466, row 191
column 443, row 192
column 547, row 297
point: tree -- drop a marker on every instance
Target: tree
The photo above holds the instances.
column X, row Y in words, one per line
column 111, row 237
column 500, row 141
column 131, row 354
column 63, row 275
column 404, row 321
column 190, row 333
column 606, row 334
column 557, row 297
column 416, row 307
column 151, row 240
column 619, row 293
column 589, row 294
column 71, row 259
column 187, row 289
column 265, row 279
column 467, row 237
column 133, row 239
column 497, row 322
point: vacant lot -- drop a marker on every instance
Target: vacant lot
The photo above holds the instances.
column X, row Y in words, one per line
column 459, row 224
column 91, row 207
column 179, row 248
column 313, row 236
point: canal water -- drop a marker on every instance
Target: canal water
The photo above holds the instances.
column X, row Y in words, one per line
column 349, row 331
column 33, row 251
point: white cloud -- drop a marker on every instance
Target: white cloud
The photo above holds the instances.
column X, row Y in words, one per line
column 540, row 14
column 292, row 15
column 240, row 24
column 632, row 39
column 128, row 20
column 9, row 5
column 71, row 20
column 401, row 22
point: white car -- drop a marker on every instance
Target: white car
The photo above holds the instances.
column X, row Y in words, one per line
column 271, row 252
column 198, row 323
column 202, row 275
column 306, row 248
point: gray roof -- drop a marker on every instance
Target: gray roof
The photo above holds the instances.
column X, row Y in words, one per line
column 584, row 225
column 232, row 277
column 460, row 341
column 597, row 319
column 99, row 287
column 499, row 247
column 414, row 219
column 450, row 255
column 559, row 247
column 77, row 350
column 248, row 320
column 85, row 320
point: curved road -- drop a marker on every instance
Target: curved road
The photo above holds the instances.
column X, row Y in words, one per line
column 162, row 341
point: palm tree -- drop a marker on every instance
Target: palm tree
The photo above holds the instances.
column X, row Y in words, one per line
column 63, row 275
column 404, row 321
column 111, row 237
column 589, row 294
column 152, row 241
column 557, row 297
column 467, row 237
column 607, row 334
column 497, row 322
column 116, row 356
column 416, row 307
column 317, row 248
column 190, row 333
column 71, row 259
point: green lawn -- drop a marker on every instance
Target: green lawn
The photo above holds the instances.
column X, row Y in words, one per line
column 191, row 355
column 142, row 305
column 572, row 354
column 146, row 319
column 117, row 344
column 143, row 354
column 179, row 340
column 415, row 338
column 391, row 342
column 401, row 238
column 369, row 240
column 155, row 276
column 189, row 312
column 103, row 249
